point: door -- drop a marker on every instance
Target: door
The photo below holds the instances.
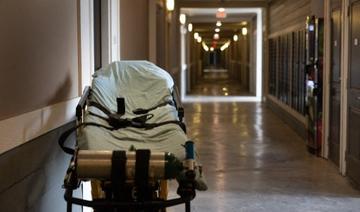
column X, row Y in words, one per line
column 334, row 136
column 353, row 145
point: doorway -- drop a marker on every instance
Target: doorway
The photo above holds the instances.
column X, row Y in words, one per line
column 211, row 53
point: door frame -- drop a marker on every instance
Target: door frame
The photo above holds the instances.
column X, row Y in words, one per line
column 326, row 81
column 344, row 84
column 110, row 34
column 110, row 31
column 345, row 20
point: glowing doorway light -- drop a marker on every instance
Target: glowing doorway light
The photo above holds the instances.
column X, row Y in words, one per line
column 196, row 35
column 199, row 39
column 225, row 46
column 182, row 19
column 218, row 23
column 205, row 47
column 235, row 37
column 217, row 30
column 244, row 31
column 170, row 5
column 258, row 70
column 216, row 36
column 190, row 27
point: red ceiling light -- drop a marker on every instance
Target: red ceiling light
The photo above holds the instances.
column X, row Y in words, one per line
column 221, row 13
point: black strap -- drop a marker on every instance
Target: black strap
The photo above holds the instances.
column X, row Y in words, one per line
column 142, row 172
column 139, row 111
column 67, row 133
column 118, row 173
column 100, row 107
column 150, row 126
column 117, row 122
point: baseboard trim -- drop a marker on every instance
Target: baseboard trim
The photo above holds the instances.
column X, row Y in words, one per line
column 295, row 120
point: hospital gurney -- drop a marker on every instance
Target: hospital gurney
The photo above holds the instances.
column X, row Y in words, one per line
column 131, row 139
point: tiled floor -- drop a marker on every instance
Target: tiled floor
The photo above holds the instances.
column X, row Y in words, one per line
column 255, row 162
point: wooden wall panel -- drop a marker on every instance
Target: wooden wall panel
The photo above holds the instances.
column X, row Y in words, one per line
column 287, row 15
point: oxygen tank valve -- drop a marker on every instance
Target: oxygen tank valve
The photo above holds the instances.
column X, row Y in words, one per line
column 190, row 155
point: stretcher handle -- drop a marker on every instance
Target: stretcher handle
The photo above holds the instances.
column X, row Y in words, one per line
column 178, row 104
column 177, row 97
column 82, row 102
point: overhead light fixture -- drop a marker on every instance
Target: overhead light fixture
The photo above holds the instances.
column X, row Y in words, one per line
column 235, row 37
column 221, row 9
column 218, row 23
column 196, row 35
column 225, row 46
column 170, row 5
column 205, row 47
column 211, row 49
column 217, row 30
column 244, row 31
column 221, row 13
column 199, row 39
column 243, row 23
column 216, row 36
column 190, row 27
column 182, row 19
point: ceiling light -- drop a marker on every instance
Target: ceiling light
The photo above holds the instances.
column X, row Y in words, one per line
column 218, row 23
column 205, row 47
column 221, row 9
column 199, row 39
column 244, row 31
column 217, row 30
column 243, row 23
column 225, row 46
column 190, row 27
column 216, row 36
column 211, row 49
column 170, row 5
column 235, row 37
column 196, row 35
column 182, row 19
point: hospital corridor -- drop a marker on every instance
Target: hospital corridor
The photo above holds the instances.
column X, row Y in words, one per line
column 180, row 105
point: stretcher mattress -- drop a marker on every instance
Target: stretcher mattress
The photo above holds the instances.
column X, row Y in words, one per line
column 143, row 85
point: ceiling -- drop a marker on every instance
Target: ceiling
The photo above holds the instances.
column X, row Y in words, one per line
column 204, row 21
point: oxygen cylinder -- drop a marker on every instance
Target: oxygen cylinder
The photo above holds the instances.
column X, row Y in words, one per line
column 93, row 164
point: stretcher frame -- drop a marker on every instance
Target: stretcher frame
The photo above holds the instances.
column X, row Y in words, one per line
column 186, row 189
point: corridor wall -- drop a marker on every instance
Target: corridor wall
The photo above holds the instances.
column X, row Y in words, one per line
column 134, row 27
column 39, row 85
column 286, row 58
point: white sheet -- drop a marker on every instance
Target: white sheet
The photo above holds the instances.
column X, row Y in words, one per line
column 143, row 85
